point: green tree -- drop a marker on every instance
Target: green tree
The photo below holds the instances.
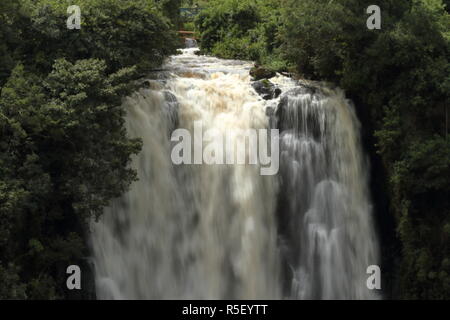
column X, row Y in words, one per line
column 400, row 76
column 123, row 33
column 242, row 30
column 64, row 151
column 64, row 155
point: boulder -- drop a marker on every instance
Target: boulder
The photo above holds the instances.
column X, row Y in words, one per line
column 266, row 89
column 259, row 73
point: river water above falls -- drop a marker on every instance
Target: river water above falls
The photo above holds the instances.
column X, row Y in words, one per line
column 226, row 231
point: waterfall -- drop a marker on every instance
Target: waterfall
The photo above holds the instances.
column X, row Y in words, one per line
column 190, row 43
column 226, row 231
column 325, row 224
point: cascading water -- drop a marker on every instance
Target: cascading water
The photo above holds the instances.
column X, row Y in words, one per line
column 190, row 43
column 225, row 231
column 325, row 223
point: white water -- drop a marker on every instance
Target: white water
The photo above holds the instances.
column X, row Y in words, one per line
column 190, row 43
column 225, row 231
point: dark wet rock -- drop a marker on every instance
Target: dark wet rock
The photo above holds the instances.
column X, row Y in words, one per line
column 266, row 89
column 277, row 92
column 152, row 84
column 259, row 73
column 147, row 84
column 301, row 89
column 289, row 115
column 170, row 97
column 171, row 109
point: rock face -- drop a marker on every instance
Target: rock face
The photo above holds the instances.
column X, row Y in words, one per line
column 284, row 118
column 171, row 107
column 259, row 73
column 266, row 89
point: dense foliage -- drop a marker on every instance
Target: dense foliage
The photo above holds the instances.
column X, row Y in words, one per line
column 401, row 73
column 398, row 76
column 242, row 30
column 64, row 152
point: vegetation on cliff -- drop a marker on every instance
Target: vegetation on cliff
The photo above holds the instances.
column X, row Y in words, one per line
column 64, row 151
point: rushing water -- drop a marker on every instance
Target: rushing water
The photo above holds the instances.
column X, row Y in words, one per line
column 225, row 231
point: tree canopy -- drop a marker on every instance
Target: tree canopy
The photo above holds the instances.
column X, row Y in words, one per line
column 64, row 150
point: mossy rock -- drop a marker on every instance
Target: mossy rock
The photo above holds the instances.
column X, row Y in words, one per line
column 259, row 73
